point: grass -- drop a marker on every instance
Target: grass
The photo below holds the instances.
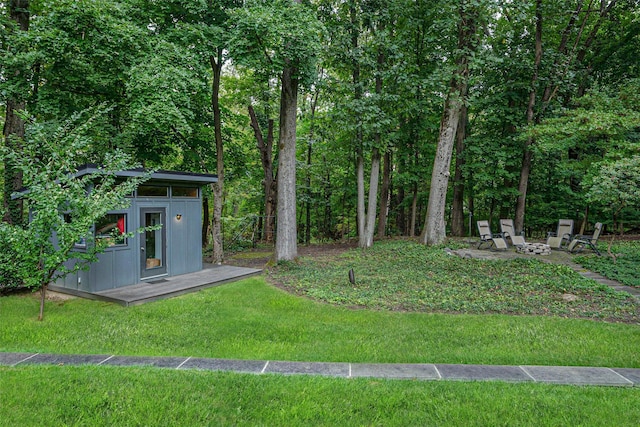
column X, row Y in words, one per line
column 625, row 269
column 400, row 275
column 109, row 396
column 252, row 319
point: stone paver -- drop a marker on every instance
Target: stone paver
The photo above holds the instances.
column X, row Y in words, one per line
column 14, row 358
column 571, row 375
column 577, row 375
column 397, row 371
column 64, row 359
column 157, row 362
column 482, row 372
column 308, row 368
column 630, row 374
column 245, row 366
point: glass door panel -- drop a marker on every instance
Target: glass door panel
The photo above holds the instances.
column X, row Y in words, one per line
column 153, row 247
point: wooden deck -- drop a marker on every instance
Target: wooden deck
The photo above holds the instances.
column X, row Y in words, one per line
column 167, row 287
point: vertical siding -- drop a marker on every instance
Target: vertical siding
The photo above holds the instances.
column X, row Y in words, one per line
column 121, row 266
column 185, row 241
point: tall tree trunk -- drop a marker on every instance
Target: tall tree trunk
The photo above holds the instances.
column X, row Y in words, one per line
column 314, row 103
column 434, row 231
column 271, row 190
column 286, row 232
column 269, row 180
column 457, row 211
column 217, row 187
column 360, row 208
column 401, row 221
column 361, row 211
column 384, row 194
column 13, row 130
column 528, row 154
column 328, row 226
column 370, row 224
column 366, row 239
column 471, row 204
column 414, row 210
column 307, row 228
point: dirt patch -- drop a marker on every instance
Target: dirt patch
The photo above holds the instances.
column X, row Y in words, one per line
column 50, row 296
column 260, row 257
column 263, row 255
column 58, row 296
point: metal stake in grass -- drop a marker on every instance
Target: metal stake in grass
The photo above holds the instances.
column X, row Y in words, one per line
column 352, row 277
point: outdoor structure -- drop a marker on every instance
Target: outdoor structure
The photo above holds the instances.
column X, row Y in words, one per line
column 170, row 200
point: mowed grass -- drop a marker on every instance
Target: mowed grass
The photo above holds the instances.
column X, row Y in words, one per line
column 110, row 396
column 253, row 320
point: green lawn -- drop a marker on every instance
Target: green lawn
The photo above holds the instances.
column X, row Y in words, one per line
column 109, row 396
column 252, row 319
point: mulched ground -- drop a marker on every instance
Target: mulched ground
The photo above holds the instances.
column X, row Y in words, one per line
column 262, row 256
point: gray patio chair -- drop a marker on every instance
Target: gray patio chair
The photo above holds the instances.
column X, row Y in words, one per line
column 580, row 241
column 486, row 237
column 563, row 234
column 508, row 232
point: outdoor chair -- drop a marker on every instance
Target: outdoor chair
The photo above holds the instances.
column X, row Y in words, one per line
column 580, row 241
column 493, row 240
column 508, row 232
column 562, row 236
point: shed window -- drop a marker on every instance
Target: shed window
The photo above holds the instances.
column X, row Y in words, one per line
column 153, row 191
column 112, row 227
column 184, row 192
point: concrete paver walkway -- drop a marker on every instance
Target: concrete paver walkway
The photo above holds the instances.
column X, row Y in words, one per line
column 570, row 375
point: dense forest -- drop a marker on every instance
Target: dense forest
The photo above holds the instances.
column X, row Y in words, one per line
column 333, row 119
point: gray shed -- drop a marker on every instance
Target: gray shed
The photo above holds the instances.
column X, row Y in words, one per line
column 173, row 199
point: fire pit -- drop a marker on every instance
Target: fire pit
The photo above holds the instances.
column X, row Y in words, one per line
column 534, row 249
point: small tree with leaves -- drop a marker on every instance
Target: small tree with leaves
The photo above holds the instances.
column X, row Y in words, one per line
column 616, row 186
column 63, row 206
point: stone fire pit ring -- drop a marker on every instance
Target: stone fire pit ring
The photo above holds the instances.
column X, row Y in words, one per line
column 534, row 249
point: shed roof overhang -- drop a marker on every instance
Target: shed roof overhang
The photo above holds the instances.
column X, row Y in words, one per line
column 165, row 176
column 160, row 175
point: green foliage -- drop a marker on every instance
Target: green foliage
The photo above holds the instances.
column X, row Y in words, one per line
column 616, row 185
column 81, row 52
column 399, row 275
column 270, row 36
column 63, row 207
column 165, row 103
column 598, row 121
column 625, row 267
column 150, row 59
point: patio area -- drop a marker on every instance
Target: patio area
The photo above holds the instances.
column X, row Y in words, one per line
column 167, row 287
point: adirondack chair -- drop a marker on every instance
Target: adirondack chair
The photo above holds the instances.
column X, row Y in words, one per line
column 580, row 242
column 508, row 232
column 563, row 234
column 486, row 237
